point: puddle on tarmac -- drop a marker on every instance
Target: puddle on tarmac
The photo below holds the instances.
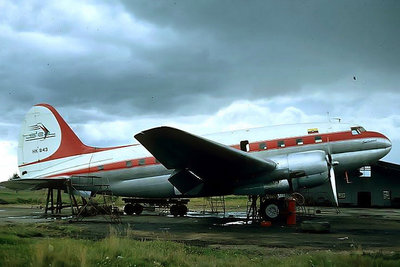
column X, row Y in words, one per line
column 21, row 217
column 235, row 223
column 236, row 215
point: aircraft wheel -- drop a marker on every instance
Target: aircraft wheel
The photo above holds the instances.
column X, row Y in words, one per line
column 182, row 210
column 129, row 209
column 137, row 209
column 270, row 210
column 174, row 210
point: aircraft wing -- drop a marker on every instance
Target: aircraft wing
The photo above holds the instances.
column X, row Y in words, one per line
column 35, row 184
column 203, row 158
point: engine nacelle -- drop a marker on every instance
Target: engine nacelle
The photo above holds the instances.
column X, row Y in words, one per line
column 308, row 169
column 309, row 181
column 294, row 171
column 275, row 187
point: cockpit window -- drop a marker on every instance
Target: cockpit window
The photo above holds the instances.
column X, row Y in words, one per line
column 354, row 131
column 357, row 130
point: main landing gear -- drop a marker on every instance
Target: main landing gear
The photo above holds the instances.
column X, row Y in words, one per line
column 177, row 207
column 178, row 210
column 272, row 208
column 131, row 209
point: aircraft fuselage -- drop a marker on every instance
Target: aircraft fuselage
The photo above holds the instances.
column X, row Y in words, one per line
column 132, row 171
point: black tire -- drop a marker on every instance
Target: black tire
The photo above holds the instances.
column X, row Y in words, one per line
column 174, row 210
column 137, row 209
column 129, row 209
column 182, row 210
column 270, row 210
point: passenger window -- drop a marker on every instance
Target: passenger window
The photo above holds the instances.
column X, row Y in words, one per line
column 100, row 168
column 318, row 139
column 262, row 146
column 281, row 143
column 142, row 161
column 128, row 163
column 299, row 141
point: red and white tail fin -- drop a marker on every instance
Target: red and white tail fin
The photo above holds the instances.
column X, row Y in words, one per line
column 45, row 136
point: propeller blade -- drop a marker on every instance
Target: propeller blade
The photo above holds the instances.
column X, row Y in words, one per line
column 333, row 184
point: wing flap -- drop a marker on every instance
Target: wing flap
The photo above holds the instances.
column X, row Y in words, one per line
column 177, row 149
column 184, row 180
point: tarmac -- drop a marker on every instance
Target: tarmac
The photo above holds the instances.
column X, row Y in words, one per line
column 350, row 229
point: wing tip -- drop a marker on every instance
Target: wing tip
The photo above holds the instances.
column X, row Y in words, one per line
column 153, row 131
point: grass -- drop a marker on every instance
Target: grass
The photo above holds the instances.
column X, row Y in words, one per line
column 36, row 197
column 60, row 244
column 232, row 203
column 57, row 244
column 8, row 196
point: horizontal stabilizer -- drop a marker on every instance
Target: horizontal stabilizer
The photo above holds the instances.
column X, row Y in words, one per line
column 35, row 184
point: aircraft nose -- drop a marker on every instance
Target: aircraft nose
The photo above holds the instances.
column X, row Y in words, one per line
column 388, row 143
column 384, row 142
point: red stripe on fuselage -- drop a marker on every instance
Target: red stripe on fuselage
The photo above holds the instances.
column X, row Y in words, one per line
column 310, row 139
column 110, row 167
column 254, row 147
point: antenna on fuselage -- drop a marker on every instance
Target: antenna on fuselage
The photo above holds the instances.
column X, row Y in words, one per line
column 335, row 118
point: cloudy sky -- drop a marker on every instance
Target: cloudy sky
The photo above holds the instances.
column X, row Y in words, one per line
column 114, row 68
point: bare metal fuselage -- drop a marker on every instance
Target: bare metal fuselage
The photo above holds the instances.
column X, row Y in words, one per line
column 151, row 180
column 259, row 161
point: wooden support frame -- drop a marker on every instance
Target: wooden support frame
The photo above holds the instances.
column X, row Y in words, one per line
column 47, row 201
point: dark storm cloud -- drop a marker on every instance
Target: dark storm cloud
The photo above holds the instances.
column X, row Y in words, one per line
column 139, row 90
column 195, row 56
column 115, row 68
column 306, row 39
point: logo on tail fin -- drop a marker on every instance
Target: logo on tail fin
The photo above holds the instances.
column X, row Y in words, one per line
column 38, row 132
